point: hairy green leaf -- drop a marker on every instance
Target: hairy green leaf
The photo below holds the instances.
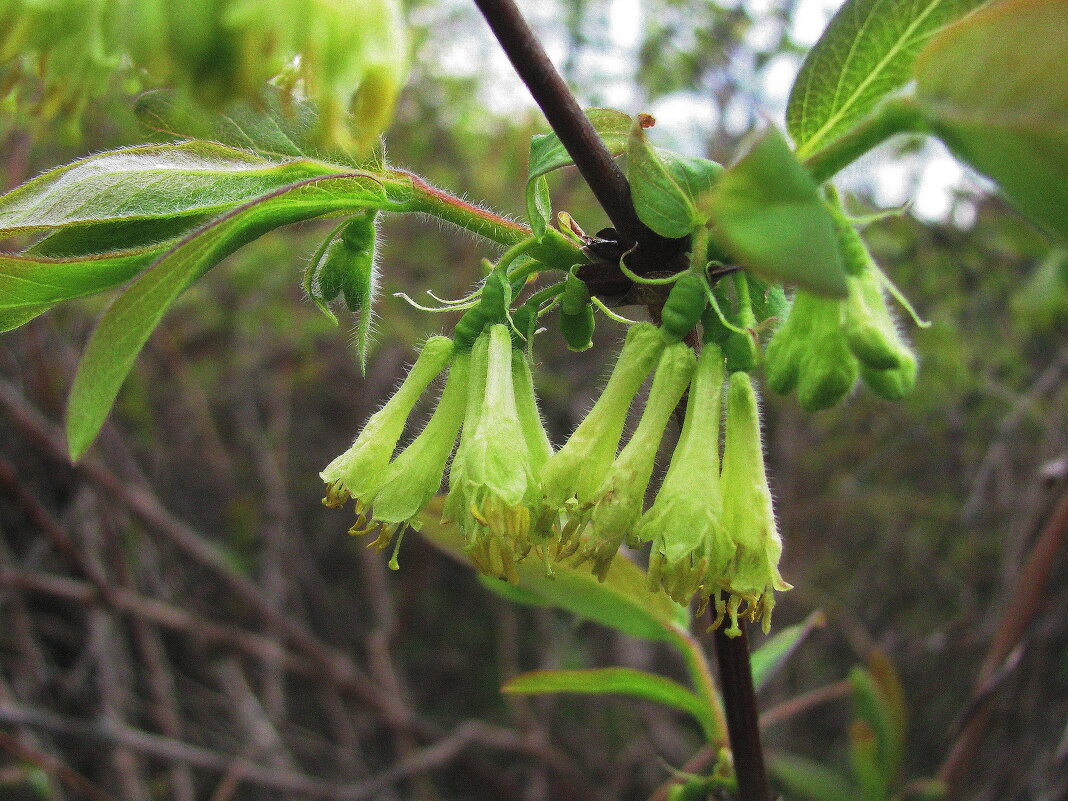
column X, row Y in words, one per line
column 110, row 237
column 667, row 188
column 280, row 126
column 127, row 324
column 547, row 153
column 539, row 205
column 621, row 602
column 772, row 655
column 1002, row 106
column 804, row 778
column 30, row 285
column 866, row 52
column 147, row 183
column 767, row 215
column 616, row 680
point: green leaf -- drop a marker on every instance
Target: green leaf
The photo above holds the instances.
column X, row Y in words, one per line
column 147, row 183
column 804, row 778
column 864, row 759
column 878, row 704
column 665, row 186
column 994, row 87
column 772, row 655
column 865, row 53
column 767, row 214
column 547, row 153
column 109, row 237
column 539, row 205
column 31, row 285
column 127, row 324
column 618, row 681
column 621, row 602
column 280, row 126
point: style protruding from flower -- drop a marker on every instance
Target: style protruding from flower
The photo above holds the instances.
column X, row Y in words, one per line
column 747, row 514
column 692, row 551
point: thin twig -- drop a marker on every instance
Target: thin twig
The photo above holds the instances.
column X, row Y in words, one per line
column 739, row 700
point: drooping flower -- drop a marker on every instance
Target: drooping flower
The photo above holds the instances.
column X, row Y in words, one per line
column 887, row 363
column 414, row 477
column 612, row 512
column 489, row 489
column 692, row 551
column 358, row 472
column 573, row 473
column 747, row 512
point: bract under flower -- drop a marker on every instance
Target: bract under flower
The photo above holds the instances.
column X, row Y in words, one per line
column 358, row 472
column 748, row 513
column 692, row 551
column 612, row 512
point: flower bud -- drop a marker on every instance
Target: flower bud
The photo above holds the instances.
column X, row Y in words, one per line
column 810, row 352
column 576, row 470
column 692, row 550
column 414, row 477
column 748, row 513
column 616, row 506
column 358, row 472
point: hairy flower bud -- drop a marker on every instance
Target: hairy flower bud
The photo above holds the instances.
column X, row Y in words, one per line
column 575, row 471
column 358, row 472
column 748, row 513
column 810, row 352
column 615, row 507
column 692, row 551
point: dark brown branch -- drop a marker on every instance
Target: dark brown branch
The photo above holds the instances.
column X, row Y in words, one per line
column 577, row 135
column 739, row 701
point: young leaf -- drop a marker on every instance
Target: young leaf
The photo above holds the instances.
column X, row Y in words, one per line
column 147, row 183
column 621, row 602
column 127, row 324
column 865, row 53
column 279, row 126
column 547, row 153
column 767, row 214
column 539, row 205
column 1002, row 106
column 617, row 680
column 807, row 779
column 665, row 186
column 772, row 655
column 109, row 237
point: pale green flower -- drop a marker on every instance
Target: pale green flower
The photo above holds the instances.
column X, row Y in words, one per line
column 575, row 471
column 615, row 507
column 358, row 472
column 748, row 513
column 692, row 551
column 489, row 487
column 414, row 477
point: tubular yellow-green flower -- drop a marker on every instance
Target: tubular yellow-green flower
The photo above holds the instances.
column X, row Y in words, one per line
column 575, row 471
column 692, row 551
column 358, row 472
column 414, row 477
column 747, row 512
column 616, row 505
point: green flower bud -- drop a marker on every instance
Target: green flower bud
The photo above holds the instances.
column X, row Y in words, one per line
column 616, row 506
column 893, row 385
column 692, row 550
column 576, row 470
column 748, row 513
column 358, row 472
column 869, row 328
column 414, row 477
column 810, row 352
column 496, row 473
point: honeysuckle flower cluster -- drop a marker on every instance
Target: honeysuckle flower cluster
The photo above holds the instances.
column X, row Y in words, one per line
column 712, row 531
